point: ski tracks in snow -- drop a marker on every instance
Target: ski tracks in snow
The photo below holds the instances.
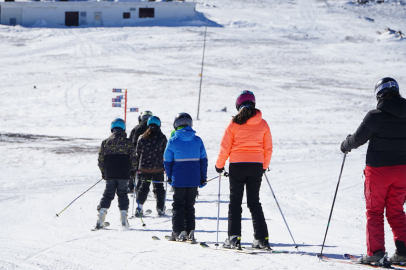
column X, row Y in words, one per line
column 308, row 11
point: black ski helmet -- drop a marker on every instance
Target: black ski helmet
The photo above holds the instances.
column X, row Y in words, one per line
column 183, row 119
column 384, row 85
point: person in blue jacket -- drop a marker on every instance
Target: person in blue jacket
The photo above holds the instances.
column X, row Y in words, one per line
column 185, row 162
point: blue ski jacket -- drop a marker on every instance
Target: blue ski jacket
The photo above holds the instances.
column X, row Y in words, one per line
column 185, row 159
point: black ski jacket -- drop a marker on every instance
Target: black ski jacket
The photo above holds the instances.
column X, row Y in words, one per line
column 385, row 128
column 117, row 158
column 137, row 131
column 150, row 153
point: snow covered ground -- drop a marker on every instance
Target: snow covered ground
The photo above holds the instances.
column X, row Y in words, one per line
column 312, row 65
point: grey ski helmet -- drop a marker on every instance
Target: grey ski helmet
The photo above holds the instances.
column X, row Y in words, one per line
column 385, row 85
column 144, row 116
column 183, row 119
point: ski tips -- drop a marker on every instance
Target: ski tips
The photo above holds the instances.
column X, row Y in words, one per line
column 57, row 215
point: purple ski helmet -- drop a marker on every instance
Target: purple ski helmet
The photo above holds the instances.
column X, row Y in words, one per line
column 243, row 97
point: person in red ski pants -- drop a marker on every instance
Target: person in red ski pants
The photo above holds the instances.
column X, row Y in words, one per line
column 385, row 172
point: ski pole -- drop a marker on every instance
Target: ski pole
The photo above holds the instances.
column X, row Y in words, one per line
column 218, row 212
column 57, row 215
column 136, row 176
column 334, row 200
column 296, row 246
column 166, row 189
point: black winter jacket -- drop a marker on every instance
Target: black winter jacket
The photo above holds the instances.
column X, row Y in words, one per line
column 385, row 128
column 137, row 131
column 117, row 157
column 150, row 153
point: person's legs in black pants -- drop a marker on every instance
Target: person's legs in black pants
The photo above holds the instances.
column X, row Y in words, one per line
column 159, row 191
column 122, row 195
column 237, row 179
column 190, row 222
column 144, row 188
column 253, row 184
column 178, row 209
column 108, row 195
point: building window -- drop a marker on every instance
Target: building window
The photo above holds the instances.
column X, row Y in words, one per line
column 132, row 9
column 147, row 12
column 126, row 15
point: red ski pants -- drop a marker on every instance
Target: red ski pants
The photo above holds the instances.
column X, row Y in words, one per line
column 385, row 188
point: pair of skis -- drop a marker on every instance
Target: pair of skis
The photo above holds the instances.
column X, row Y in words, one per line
column 350, row 259
column 246, row 250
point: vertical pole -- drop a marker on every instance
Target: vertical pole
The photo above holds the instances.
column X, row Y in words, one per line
column 125, row 107
column 218, row 213
column 201, row 73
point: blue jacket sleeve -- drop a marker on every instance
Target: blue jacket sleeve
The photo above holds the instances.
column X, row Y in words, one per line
column 203, row 162
column 168, row 159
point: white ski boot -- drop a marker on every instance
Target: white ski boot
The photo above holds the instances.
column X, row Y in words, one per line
column 101, row 217
column 123, row 219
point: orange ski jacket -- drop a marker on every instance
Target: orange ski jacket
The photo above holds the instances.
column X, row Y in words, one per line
column 251, row 142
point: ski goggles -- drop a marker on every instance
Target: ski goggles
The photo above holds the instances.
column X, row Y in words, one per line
column 386, row 85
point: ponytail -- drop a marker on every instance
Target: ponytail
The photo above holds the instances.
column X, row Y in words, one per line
column 244, row 115
column 151, row 131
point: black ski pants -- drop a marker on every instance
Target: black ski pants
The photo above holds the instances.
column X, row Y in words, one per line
column 183, row 209
column 130, row 184
column 249, row 175
column 113, row 186
column 158, row 189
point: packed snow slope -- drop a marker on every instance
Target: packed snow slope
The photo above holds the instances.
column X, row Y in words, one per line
column 312, row 65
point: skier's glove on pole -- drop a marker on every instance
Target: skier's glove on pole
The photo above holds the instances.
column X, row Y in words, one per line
column 103, row 176
column 345, row 151
column 219, row 170
column 169, row 181
column 203, row 183
column 263, row 171
column 225, row 174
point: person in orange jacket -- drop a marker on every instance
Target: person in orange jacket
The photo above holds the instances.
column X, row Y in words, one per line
column 247, row 141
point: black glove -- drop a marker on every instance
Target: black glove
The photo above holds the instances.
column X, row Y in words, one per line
column 203, row 182
column 103, row 176
column 132, row 174
column 263, row 171
column 169, row 181
column 345, row 151
column 219, row 170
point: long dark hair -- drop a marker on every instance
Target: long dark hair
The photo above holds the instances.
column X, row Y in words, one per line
column 151, row 132
column 244, row 115
column 389, row 94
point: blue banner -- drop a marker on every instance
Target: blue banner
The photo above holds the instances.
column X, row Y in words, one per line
column 133, row 109
column 116, row 105
column 117, row 90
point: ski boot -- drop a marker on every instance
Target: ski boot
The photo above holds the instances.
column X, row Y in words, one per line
column 183, row 236
column 398, row 258
column 139, row 212
column 191, row 237
column 377, row 258
column 261, row 244
column 101, row 217
column 161, row 212
column 123, row 219
column 174, row 236
column 233, row 242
